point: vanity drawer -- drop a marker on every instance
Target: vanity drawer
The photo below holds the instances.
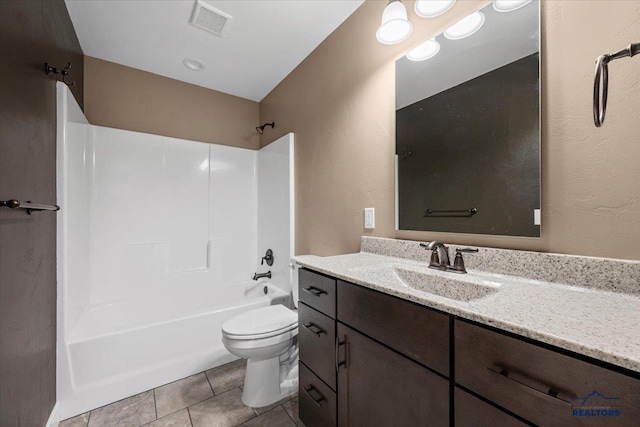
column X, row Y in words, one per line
column 411, row 329
column 518, row 376
column 317, row 402
column 318, row 291
column 317, row 339
column 473, row 412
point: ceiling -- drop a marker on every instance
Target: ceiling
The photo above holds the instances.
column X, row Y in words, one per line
column 505, row 37
column 266, row 40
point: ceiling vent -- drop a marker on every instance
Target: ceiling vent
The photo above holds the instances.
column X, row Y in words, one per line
column 210, row 19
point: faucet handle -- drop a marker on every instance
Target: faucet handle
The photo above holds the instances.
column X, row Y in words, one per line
column 268, row 257
column 458, row 262
column 469, row 250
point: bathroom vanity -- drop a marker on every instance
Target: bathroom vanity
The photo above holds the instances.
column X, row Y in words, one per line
column 377, row 352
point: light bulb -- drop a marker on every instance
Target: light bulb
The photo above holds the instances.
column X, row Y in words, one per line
column 465, row 27
column 394, row 27
column 426, row 50
column 432, row 8
column 509, row 5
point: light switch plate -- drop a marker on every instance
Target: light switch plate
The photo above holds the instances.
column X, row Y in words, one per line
column 537, row 217
column 369, row 218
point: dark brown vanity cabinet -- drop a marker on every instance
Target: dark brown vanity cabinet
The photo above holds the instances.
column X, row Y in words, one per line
column 370, row 359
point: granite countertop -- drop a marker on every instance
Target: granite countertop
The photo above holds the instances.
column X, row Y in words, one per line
column 593, row 322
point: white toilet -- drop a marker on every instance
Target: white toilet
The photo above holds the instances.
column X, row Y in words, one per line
column 267, row 338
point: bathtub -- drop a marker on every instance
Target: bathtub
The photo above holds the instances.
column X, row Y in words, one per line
column 119, row 349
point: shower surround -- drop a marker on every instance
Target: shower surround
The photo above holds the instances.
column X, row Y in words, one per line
column 158, row 239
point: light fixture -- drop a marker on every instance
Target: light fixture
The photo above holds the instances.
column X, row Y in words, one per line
column 432, row 8
column 426, row 50
column 509, row 5
column 395, row 26
column 193, row 64
column 465, row 27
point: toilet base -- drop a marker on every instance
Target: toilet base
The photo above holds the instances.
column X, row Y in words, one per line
column 268, row 381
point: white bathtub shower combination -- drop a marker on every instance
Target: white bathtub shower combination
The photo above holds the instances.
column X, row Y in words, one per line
column 158, row 239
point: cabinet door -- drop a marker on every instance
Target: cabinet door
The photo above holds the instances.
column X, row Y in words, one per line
column 379, row 387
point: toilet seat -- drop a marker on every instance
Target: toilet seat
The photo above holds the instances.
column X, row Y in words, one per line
column 261, row 323
column 240, row 344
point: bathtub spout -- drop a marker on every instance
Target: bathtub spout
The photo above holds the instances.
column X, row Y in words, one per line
column 257, row 276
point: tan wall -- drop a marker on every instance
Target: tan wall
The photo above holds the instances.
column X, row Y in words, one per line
column 340, row 104
column 127, row 98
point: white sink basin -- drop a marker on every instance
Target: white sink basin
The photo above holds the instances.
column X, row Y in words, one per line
column 459, row 287
column 454, row 287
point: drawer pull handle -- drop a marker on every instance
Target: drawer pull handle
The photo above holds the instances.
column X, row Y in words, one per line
column 549, row 393
column 315, row 291
column 317, row 398
column 340, row 362
column 312, row 327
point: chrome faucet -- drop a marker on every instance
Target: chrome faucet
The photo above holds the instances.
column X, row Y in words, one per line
column 257, row 276
column 441, row 252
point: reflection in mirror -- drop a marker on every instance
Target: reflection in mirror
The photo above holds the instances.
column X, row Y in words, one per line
column 468, row 130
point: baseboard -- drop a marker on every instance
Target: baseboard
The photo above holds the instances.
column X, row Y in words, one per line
column 53, row 418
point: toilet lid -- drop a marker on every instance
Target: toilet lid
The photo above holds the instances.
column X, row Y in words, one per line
column 261, row 321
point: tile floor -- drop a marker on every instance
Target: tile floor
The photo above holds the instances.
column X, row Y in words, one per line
column 208, row 399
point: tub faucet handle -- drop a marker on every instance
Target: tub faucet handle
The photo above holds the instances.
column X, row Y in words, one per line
column 267, row 257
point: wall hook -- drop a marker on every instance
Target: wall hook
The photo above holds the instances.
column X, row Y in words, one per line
column 260, row 129
column 65, row 72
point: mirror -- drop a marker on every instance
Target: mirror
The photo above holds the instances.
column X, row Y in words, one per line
column 468, row 131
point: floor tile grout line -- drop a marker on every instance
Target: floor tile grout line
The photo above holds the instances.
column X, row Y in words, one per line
column 289, row 415
column 179, row 379
column 254, row 411
column 117, row 401
column 186, row 407
column 175, row 412
column 155, row 403
column 209, row 381
column 189, row 412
